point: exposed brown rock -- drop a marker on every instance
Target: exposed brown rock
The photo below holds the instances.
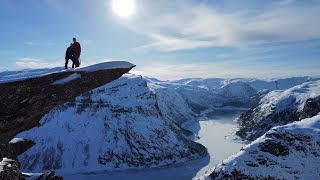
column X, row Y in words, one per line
column 23, row 103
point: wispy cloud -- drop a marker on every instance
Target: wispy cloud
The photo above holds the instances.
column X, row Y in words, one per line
column 87, row 41
column 7, row 52
column 34, row 63
column 167, row 43
column 54, row 4
column 189, row 26
column 31, row 43
column 228, row 69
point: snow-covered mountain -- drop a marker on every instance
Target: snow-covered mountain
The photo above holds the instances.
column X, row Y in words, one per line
column 279, row 108
column 116, row 126
column 289, row 122
column 132, row 122
column 201, row 94
column 285, row 152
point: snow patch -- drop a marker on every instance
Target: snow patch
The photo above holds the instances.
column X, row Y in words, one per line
column 16, row 140
column 6, row 162
column 12, row 76
column 68, row 79
column 106, row 65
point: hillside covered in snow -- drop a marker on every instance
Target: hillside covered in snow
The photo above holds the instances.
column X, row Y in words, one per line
column 288, row 122
column 131, row 122
column 279, row 108
column 116, row 126
column 285, row 152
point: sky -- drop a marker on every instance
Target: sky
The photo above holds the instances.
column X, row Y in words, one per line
column 167, row 39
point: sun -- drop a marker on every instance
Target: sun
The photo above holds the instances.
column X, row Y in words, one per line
column 123, row 8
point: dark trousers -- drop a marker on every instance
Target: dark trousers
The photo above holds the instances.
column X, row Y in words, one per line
column 76, row 57
column 67, row 61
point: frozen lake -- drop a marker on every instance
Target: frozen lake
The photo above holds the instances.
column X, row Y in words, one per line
column 214, row 133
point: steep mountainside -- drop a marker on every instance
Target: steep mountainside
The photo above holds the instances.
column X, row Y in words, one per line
column 117, row 126
column 26, row 98
column 27, row 95
column 285, row 152
column 279, row 108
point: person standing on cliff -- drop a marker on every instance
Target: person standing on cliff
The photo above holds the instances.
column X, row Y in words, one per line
column 69, row 56
column 76, row 48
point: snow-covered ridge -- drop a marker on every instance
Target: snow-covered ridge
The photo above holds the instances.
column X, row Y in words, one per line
column 202, row 94
column 257, row 84
column 285, row 152
column 279, row 108
column 11, row 76
column 106, row 65
column 116, row 126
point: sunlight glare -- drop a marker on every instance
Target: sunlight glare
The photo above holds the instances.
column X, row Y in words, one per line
column 123, row 8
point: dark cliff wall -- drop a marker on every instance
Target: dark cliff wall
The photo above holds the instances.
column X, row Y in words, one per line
column 24, row 102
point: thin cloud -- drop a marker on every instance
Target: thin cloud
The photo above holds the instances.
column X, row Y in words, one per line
column 87, row 41
column 188, row 26
column 34, row 63
column 166, row 43
column 7, row 52
column 54, row 4
column 223, row 70
column 31, row 43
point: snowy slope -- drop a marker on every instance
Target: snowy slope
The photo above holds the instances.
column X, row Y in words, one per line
column 116, row 126
column 285, row 152
column 203, row 94
column 257, row 84
column 11, row 76
column 279, row 108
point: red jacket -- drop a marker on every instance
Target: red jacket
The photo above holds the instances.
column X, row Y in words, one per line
column 76, row 47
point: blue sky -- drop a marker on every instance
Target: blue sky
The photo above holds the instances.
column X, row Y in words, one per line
column 167, row 39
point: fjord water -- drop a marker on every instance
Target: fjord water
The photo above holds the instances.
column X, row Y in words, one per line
column 214, row 132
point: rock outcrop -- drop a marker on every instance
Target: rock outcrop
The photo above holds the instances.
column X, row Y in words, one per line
column 285, row 152
column 280, row 108
column 9, row 169
column 24, row 102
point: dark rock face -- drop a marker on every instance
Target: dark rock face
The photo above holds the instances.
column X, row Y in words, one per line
column 284, row 152
column 275, row 148
column 22, row 146
column 259, row 120
column 24, row 102
column 6, row 151
column 310, row 108
column 9, row 166
column 9, row 169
